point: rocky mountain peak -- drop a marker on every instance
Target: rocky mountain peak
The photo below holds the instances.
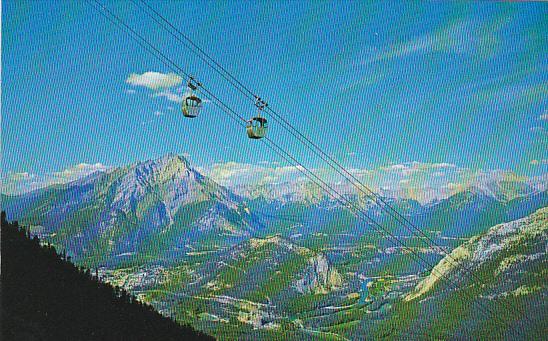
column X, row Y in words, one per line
column 169, row 179
column 170, row 165
column 503, row 190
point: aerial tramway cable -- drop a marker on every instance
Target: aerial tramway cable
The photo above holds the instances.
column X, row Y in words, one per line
column 356, row 210
column 171, row 64
column 341, row 170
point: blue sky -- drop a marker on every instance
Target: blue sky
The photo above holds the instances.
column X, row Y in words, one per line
column 373, row 84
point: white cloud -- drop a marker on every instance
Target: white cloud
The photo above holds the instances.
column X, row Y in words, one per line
column 17, row 183
column 78, row 171
column 154, row 80
column 459, row 37
column 359, row 172
column 158, row 113
column 169, row 95
column 424, row 182
column 234, row 173
column 410, row 168
column 81, row 168
column 442, row 165
column 544, row 117
column 451, row 39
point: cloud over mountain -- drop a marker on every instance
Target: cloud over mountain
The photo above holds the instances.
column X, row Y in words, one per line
column 424, row 182
column 16, row 183
column 421, row 181
column 234, row 173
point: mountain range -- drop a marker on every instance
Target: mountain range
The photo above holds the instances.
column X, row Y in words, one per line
column 277, row 260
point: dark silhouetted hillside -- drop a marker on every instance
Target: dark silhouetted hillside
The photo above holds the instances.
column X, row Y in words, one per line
column 45, row 297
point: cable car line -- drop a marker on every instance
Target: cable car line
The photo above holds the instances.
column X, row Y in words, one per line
column 149, row 47
column 369, row 193
column 257, row 126
column 281, row 152
column 147, row 9
column 176, row 68
column 353, row 180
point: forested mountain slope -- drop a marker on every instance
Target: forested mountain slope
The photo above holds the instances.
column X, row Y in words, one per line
column 45, row 297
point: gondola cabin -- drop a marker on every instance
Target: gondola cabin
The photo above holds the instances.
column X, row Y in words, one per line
column 191, row 106
column 256, row 127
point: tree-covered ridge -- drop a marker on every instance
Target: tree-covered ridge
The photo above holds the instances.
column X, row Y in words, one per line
column 46, row 297
column 500, row 291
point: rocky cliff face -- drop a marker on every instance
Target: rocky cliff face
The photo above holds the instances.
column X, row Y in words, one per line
column 512, row 246
column 319, row 276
